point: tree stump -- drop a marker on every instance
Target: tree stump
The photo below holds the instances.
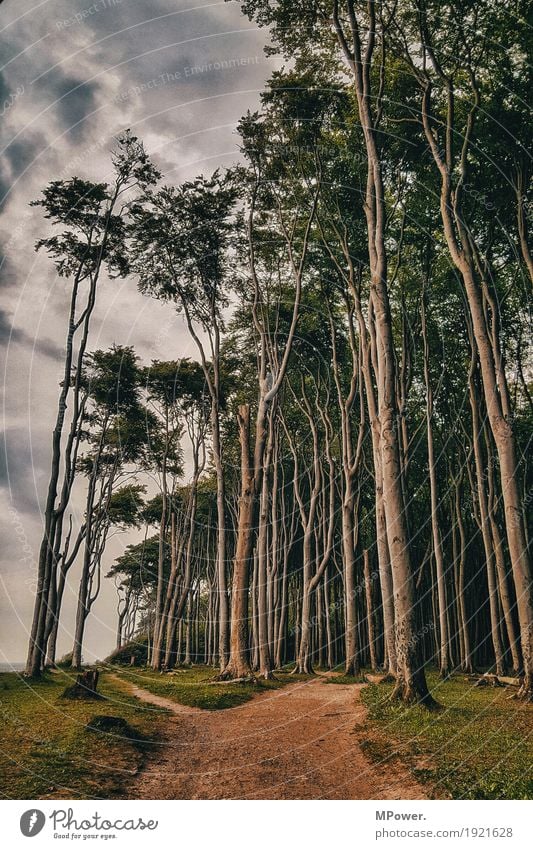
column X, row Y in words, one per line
column 85, row 686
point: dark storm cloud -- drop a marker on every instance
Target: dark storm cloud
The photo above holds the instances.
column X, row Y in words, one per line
column 48, row 348
column 4, row 92
column 21, row 153
column 5, row 184
column 76, row 101
column 10, row 335
column 8, row 272
column 24, row 460
column 18, row 158
column 7, row 331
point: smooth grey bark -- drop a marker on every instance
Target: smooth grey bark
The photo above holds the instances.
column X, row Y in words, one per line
column 370, row 616
column 238, row 665
column 358, row 51
column 484, row 319
column 444, row 644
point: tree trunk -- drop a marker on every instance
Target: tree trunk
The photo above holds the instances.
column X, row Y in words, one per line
column 159, row 603
column 351, row 662
column 484, row 521
column 444, row 660
column 371, row 626
column 501, row 571
column 463, row 615
column 223, row 611
column 462, row 249
column 238, row 665
column 265, row 662
column 411, row 683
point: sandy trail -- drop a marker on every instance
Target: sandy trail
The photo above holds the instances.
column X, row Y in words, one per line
column 299, row 742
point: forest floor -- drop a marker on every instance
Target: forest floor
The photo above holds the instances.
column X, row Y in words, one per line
column 299, row 742
column 297, row 737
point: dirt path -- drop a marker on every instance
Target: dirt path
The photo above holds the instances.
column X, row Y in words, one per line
column 300, row 742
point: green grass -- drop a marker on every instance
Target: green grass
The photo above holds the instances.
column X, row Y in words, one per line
column 46, row 751
column 195, row 686
column 480, row 746
column 345, row 679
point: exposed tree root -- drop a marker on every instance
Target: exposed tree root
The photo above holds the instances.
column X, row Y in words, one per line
column 525, row 693
column 303, row 669
column 407, row 694
column 222, row 679
column 233, row 674
column 268, row 675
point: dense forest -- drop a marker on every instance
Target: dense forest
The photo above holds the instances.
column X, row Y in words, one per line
column 341, row 475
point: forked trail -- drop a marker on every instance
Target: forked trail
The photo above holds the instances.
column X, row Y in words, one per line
column 299, row 742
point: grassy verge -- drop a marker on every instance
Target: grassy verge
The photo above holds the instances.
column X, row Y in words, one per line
column 345, row 679
column 480, row 746
column 195, row 686
column 46, row 750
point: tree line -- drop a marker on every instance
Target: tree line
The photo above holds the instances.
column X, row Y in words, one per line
column 341, row 474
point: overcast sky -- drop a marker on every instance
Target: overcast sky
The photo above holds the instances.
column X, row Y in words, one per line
column 73, row 75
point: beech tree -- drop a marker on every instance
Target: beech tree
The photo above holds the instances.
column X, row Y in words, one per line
column 171, row 389
column 181, row 244
column 117, row 438
column 91, row 242
column 440, row 59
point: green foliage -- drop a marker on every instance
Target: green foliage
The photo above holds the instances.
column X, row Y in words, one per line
column 138, row 564
column 95, row 232
column 138, row 649
column 116, row 425
column 112, row 379
column 124, row 509
column 176, row 383
column 181, row 242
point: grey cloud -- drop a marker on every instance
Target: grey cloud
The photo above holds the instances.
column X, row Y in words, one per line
column 61, row 132
column 24, row 461
column 9, row 334
column 20, row 155
column 6, row 328
column 8, row 270
column 76, row 100
column 4, row 90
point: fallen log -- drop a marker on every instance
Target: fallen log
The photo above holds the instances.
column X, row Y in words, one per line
column 489, row 679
